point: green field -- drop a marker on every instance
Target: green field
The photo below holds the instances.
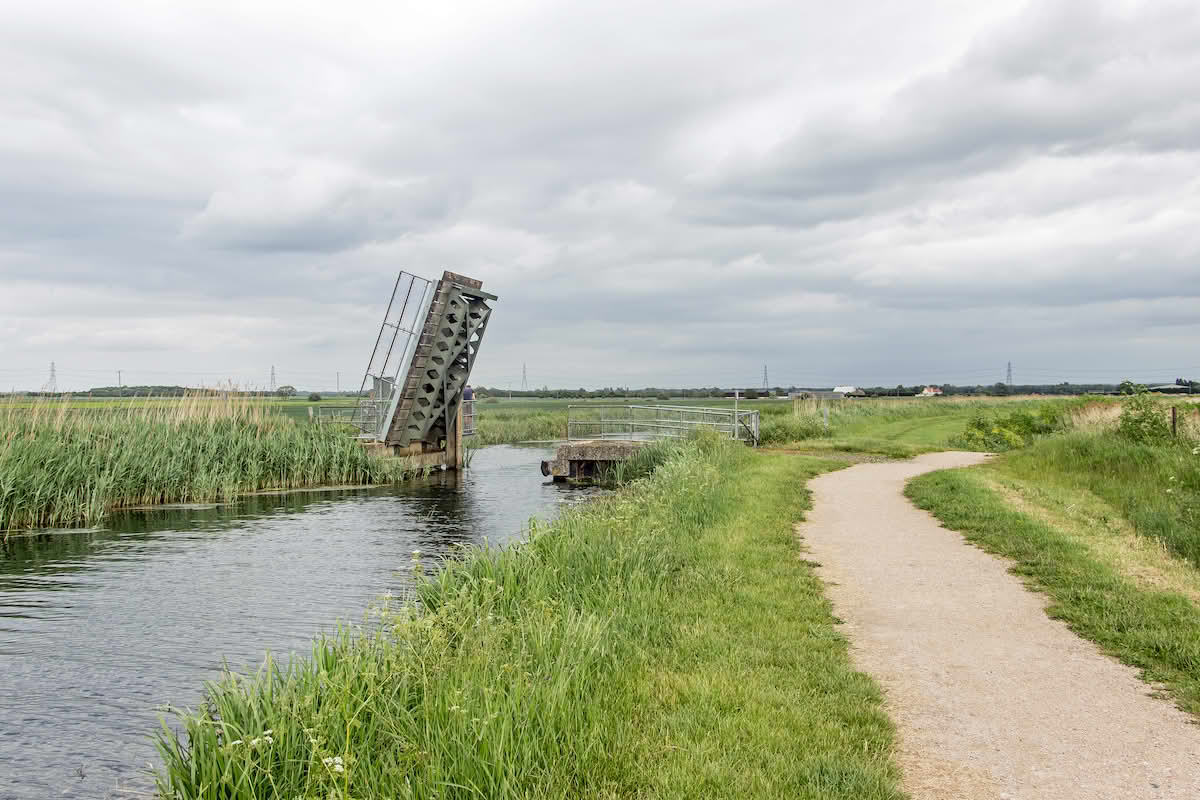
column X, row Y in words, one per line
column 894, row 427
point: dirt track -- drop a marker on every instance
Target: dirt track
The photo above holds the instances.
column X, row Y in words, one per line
column 992, row 698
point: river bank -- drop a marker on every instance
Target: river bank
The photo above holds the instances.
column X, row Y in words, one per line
column 101, row 627
column 61, row 466
column 668, row 640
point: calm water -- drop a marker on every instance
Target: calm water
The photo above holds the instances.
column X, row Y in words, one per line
column 99, row 628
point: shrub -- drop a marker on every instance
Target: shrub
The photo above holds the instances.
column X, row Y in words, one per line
column 1018, row 429
column 314, row 398
column 1142, row 420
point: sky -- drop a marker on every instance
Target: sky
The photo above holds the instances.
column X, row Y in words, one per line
column 661, row 194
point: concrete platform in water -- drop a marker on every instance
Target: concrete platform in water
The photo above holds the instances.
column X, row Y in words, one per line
column 581, row 461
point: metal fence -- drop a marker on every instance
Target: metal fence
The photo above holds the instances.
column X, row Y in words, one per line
column 468, row 417
column 640, row 423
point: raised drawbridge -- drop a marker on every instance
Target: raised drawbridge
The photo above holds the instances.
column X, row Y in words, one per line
column 412, row 391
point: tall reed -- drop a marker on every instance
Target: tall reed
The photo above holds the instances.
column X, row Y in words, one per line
column 64, row 466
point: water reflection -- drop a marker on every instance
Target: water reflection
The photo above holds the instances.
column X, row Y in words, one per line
column 99, row 627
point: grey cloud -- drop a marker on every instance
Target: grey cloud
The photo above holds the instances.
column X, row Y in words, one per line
column 653, row 193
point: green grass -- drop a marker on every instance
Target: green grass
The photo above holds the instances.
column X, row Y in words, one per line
column 64, row 466
column 1137, row 602
column 666, row 641
column 1155, row 487
column 893, row 427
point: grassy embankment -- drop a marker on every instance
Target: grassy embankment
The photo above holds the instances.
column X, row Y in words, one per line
column 61, row 465
column 666, row 641
column 1106, row 522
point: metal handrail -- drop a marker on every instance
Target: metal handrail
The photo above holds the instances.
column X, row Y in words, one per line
column 667, row 422
column 468, row 417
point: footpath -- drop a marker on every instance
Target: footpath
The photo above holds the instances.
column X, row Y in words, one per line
column 991, row 697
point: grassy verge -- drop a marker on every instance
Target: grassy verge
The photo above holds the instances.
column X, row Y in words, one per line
column 1156, row 487
column 1108, row 582
column 892, row 427
column 666, row 641
column 60, row 466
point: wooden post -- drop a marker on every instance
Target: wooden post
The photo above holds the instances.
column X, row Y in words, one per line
column 1173, row 433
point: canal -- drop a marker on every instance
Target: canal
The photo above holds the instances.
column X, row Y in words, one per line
column 101, row 628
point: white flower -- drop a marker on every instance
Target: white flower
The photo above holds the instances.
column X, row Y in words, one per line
column 338, row 768
column 235, row 741
column 1169, row 491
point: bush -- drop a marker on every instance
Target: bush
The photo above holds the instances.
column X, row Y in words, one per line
column 314, row 398
column 1142, row 420
column 1016, row 430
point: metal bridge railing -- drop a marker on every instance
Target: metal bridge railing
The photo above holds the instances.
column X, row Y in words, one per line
column 468, row 417
column 641, row 423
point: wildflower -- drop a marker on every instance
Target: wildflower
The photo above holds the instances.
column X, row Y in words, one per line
column 235, row 741
column 1169, row 491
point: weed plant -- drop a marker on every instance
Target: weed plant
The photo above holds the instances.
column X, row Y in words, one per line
column 61, row 466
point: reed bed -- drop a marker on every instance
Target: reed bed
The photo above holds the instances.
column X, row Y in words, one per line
column 512, row 425
column 62, row 466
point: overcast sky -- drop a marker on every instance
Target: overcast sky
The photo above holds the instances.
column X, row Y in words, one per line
column 660, row 194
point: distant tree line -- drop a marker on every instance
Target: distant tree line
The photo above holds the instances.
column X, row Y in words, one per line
column 662, row 393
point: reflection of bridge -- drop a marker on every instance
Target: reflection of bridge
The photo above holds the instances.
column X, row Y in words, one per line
column 412, row 390
column 642, row 423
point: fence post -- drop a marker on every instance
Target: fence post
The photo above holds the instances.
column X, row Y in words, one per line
column 1173, row 433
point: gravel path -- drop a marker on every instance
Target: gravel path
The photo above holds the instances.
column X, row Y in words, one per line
column 992, row 698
